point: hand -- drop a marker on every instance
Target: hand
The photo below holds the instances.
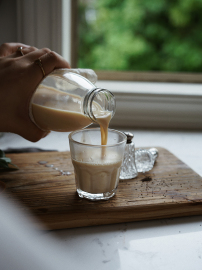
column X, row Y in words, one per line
column 19, row 77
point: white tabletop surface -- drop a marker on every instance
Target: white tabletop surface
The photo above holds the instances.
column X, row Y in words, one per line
column 159, row 244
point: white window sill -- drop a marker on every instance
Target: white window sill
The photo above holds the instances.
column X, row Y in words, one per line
column 156, row 105
column 184, row 89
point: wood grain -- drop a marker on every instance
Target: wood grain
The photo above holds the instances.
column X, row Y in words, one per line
column 171, row 189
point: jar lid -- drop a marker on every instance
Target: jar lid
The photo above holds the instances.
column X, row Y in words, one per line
column 129, row 137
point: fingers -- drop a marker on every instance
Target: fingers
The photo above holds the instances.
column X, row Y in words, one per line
column 49, row 61
column 7, row 49
column 33, row 134
column 22, row 52
column 48, row 57
column 37, row 54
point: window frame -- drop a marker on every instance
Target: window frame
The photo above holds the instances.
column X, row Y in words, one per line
column 148, row 76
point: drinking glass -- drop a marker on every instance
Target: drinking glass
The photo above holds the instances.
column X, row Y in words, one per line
column 96, row 166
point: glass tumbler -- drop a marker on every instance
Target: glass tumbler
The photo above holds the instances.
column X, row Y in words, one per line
column 96, row 166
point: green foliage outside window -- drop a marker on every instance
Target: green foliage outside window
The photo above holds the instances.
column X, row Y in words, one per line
column 141, row 35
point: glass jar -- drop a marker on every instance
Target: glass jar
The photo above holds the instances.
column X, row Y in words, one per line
column 66, row 101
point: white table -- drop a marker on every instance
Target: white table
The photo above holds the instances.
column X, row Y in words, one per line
column 159, row 244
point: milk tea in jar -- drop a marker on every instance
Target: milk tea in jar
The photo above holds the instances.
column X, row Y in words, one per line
column 66, row 101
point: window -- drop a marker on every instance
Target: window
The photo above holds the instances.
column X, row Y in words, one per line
column 138, row 40
column 144, row 99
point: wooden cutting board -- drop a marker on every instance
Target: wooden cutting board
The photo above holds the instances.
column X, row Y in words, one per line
column 170, row 189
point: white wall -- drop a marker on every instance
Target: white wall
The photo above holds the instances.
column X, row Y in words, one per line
column 37, row 23
column 8, row 21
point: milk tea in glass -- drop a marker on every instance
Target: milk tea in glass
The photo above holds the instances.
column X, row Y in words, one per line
column 96, row 166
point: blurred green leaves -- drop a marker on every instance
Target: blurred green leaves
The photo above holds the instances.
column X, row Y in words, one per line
column 5, row 163
column 157, row 35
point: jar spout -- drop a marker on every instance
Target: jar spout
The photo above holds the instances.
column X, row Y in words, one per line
column 99, row 102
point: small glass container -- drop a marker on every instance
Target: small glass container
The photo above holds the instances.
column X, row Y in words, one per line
column 145, row 159
column 128, row 168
